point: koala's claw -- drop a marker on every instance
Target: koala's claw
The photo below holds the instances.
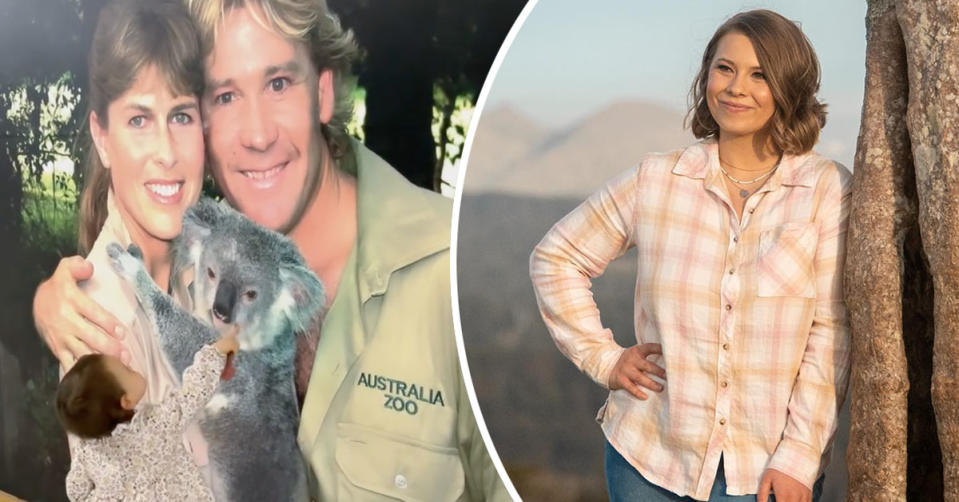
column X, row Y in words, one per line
column 114, row 250
column 124, row 262
column 135, row 252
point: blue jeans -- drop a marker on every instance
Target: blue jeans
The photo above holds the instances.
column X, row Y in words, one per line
column 625, row 483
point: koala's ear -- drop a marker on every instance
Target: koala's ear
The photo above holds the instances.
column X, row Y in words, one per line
column 199, row 220
column 303, row 295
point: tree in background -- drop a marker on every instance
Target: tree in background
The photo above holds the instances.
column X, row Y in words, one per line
column 421, row 54
column 902, row 269
column 42, row 72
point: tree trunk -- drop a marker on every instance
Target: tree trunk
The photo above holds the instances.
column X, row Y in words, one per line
column 931, row 34
column 880, row 217
column 398, row 78
column 11, row 189
column 903, row 244
column 399, row 118
column 11, row 399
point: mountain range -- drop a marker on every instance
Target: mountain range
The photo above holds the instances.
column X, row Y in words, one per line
column 512, row 153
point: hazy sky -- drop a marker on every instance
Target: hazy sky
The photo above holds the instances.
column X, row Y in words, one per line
column 571, row 58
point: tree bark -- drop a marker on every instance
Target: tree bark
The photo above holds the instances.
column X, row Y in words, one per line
column 902, row 279
column 931, row 34
column 880, row 217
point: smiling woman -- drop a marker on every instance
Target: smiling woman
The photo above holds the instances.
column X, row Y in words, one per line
column 151, row 143
column 738, row 96
column 145, row 165
column 733, row 388
column 144, row 121
column 145, row 168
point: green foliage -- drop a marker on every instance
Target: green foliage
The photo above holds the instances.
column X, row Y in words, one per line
column 443, row 46
column 452, row 110
column 49, row 213
column 355, row 127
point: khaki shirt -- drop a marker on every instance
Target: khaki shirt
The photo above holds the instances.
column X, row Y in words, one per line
column 386, row 414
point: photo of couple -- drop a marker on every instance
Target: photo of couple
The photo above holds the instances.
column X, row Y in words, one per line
column 256, row 95
column 312, row 250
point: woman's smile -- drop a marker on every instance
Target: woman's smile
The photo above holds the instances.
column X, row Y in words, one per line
column 165, row 192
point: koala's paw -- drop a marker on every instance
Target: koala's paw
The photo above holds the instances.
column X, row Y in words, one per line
column 135, row 252
column 123, row 262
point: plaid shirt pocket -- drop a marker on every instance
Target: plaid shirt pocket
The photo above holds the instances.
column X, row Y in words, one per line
column 785, row 262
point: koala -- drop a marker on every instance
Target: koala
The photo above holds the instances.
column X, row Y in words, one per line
column 256, row 279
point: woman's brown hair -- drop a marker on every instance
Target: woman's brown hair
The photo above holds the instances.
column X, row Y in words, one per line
column 88, row 399
column 130, row 36
column 792, row 72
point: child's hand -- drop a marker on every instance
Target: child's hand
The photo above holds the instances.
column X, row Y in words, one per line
column 227, row 344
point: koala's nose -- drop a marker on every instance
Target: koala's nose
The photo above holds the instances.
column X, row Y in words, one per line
column 224, row 301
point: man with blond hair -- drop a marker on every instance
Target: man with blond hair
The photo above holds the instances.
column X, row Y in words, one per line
column 384, row 406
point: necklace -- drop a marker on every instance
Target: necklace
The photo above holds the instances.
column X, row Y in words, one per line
column 742, row 191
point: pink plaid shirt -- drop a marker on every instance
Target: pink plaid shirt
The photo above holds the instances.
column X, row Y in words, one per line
column 749, row 314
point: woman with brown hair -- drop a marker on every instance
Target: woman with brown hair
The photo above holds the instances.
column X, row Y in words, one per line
column 738, row 298
column 144, row 167
column 145, row 163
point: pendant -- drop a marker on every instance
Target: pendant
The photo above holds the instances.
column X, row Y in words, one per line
column 743, row 193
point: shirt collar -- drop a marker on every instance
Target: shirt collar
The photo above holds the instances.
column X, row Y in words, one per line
column 702, row 158
column 398, row 223
column 113, row 224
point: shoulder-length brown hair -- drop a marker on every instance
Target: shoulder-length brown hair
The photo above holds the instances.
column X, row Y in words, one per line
column 130, row 36
column 792, row 72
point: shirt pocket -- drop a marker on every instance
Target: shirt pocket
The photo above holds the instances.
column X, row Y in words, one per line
column 376, row 466
column 785, row 261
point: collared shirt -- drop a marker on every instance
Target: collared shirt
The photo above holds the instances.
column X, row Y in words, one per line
column 386, row 413
column 116, row 296
column 749, row 314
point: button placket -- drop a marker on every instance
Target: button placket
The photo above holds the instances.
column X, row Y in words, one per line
column 729, row 284
column 731, row 288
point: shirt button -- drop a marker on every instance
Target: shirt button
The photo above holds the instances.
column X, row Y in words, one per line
column 752, row 210
column 400, row 481
column 725, row 346
column 724, row 384
column 732, row 271
column 735, row 239
column 729, row 307
column 722, row 421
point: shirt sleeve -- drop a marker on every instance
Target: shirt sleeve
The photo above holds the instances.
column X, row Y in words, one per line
column 821, row 383
column 200, row 381
column 577, row 249
column 79, row 484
